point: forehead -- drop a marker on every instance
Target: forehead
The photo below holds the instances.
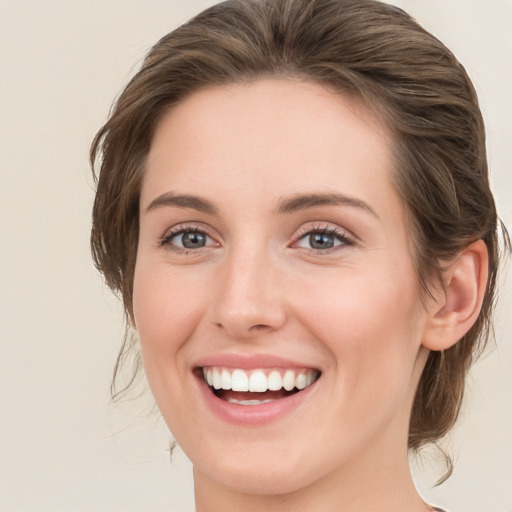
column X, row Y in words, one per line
column 268, row 138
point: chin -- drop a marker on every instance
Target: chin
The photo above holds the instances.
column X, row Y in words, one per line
column 266, row 470
column 261, row 481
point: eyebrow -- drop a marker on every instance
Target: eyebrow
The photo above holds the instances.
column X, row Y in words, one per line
column 287, row 205
column 182, row 201
column 306, row 201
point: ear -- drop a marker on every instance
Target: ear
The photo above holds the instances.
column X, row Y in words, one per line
column 458, row 305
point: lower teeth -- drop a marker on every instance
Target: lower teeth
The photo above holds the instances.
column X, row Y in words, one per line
column 248, row 402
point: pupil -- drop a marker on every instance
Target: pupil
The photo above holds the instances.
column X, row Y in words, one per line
column 321, row 241
column 193, row 240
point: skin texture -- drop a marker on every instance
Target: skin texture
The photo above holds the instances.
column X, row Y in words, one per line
column 257, row 287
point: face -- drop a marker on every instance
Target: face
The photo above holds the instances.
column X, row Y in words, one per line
column 273, row 264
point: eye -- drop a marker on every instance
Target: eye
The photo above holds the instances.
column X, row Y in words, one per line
column 187, row 239
column 190, row 240
column 323, row 239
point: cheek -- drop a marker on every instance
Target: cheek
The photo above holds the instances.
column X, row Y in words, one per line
column 167, row 309
column 373, row 335
column 371, row 323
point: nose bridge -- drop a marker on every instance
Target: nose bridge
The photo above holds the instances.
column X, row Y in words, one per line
column 248, row 300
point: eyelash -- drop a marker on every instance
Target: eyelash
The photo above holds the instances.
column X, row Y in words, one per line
column 181, row 229
column 341, row 236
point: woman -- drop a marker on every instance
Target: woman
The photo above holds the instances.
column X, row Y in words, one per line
column 294, row 204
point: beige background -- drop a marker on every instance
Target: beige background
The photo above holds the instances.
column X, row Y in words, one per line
column 62, row 63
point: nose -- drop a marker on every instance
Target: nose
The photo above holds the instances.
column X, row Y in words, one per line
column 249, row 299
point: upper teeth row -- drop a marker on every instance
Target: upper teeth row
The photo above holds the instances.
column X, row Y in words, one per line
column 258, row 380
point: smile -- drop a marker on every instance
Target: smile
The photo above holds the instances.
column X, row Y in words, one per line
column 257, row 386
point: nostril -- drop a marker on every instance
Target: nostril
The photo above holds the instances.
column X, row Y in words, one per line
column 259, row 327
column 251, row 329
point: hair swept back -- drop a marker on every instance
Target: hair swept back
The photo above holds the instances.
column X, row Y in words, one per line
column 359, row 47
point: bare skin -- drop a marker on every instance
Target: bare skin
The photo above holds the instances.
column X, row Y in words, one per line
column 270, row 229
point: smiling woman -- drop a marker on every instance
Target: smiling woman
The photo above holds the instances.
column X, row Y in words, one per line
column 293, row 201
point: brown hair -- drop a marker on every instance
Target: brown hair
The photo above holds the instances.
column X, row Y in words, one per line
column 360, row 47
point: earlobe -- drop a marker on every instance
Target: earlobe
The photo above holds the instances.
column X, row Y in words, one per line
column 459, row 304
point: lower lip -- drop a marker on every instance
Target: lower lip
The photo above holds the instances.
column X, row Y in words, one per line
column 253, row 414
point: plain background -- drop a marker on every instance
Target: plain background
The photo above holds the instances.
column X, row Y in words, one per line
column 62, row 446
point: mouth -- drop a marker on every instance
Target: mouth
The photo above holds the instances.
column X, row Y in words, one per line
column 256, row 386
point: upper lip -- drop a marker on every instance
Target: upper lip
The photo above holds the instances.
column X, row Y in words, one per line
column 250, row 361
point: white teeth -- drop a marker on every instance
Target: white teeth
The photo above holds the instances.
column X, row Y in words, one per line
column 216, row 379
column 289, row 380
column 248, row 402
column 258, row 380
column 225, row 379
column 274, row 381
column 301, row 381
column 239, row 381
